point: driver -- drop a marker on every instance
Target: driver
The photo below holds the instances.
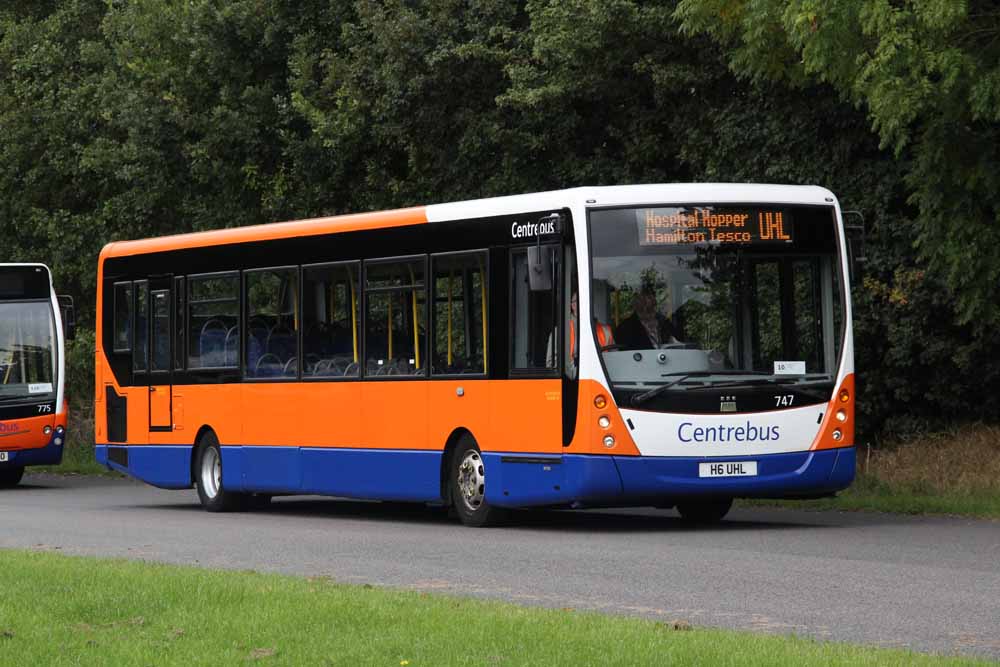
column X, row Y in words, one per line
column 646, row 328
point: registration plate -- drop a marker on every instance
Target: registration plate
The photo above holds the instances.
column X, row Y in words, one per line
column 728, row 469
column 3, row 456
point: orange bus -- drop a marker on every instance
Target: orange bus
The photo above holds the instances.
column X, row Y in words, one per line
column 438, row 354
column 33, row 406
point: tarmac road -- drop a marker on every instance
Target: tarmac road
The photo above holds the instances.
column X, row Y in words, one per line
column 929, row 584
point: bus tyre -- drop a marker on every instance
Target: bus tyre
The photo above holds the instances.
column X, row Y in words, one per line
column 468, row 486
column 11, row 477
column 208, row 478
column 705, row 511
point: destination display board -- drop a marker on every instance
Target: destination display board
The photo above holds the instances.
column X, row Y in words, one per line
column 722, row 225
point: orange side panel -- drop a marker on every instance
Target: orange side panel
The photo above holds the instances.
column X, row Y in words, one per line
column 326, row 414
column 448, row 411
column 215, row 405
column 25, row 433
column 394, row 415
column 830, row 423
column 525, row 416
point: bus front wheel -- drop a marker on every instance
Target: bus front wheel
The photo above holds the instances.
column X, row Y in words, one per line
column 208, row 478
column 705, row 511
column 11, row 477
column 468, row 486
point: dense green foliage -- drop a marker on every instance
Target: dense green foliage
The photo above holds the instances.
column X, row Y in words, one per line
column 124, row 120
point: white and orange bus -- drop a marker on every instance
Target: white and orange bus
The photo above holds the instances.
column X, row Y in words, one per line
column 437, row 354
column 33, row 407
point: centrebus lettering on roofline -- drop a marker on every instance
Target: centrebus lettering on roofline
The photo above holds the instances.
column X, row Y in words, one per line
column 519, row 230
column 688, row 432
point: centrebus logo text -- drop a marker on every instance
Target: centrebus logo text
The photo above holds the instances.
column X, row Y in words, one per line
column 9, row 429
column 688, row 432
column 528, row 229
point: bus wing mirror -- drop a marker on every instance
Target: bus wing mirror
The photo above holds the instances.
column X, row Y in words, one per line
column 68, row 312
column 855, row 232
column 539, row 268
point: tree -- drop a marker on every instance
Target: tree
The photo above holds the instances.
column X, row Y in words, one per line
column 928, row 75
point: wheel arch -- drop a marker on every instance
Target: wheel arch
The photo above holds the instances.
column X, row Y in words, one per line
column 205, row 429
column 451, row 444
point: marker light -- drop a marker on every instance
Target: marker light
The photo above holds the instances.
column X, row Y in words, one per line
column 46, row 430
column 841, row 416
column 600, row 401
column 609, row 441
column 603, row 421
column 837, row 435
column 59, row 430
column 845, row 396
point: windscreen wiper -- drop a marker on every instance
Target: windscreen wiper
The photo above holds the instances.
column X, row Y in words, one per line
column 639, row 399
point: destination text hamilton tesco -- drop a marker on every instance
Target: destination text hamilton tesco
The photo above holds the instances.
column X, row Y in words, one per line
column 681, row 226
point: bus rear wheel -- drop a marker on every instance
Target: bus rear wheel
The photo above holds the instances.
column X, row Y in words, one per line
column 468, row 486
column 11, row 477
column 710, row 510
column 208, row 478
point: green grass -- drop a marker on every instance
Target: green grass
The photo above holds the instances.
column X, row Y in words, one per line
column 871, row 494
column 955, row 471
column 58, row 610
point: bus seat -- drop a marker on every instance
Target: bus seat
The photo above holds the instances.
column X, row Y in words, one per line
column 255, row 348
column 269, row 365
column 232, row 346
column 212, row 344
column 281, row 341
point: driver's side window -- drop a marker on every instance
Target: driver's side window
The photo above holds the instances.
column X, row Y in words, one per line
column 535, row 309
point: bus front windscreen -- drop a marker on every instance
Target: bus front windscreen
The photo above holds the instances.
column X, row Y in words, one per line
column 27, row 350
column 706, row 295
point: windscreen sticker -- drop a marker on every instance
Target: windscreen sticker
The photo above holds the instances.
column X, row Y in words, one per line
column 40, row 388
column 789, row 368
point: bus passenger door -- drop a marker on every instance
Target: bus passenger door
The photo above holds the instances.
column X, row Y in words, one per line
column 160, row 355
column 526, row 412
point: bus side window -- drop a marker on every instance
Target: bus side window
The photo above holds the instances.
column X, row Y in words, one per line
column 395, row 318
column 534, row 313
column 460, row 305
column 331, row 342
column 123, row 317
column 213, row 320
column 140, row 351
column 272, row 323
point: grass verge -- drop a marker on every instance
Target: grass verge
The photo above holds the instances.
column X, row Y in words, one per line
column 59, row 610
column 954, row 472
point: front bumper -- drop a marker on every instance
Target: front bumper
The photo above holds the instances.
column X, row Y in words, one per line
column 798, row 474
column 50, row 454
